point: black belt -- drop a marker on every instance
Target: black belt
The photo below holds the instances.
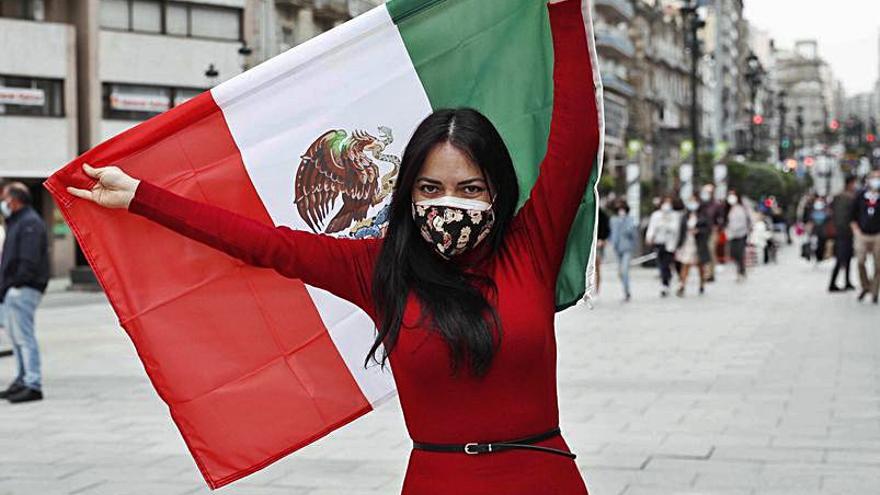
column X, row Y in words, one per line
column 492, row 447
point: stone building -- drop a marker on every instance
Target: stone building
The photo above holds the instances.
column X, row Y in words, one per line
column 659, row 115
column 612, row 20
column 810, row 89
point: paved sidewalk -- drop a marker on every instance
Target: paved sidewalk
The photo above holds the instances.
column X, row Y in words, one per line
column 767, row 387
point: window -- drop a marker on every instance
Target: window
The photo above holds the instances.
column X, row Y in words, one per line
column 31, row 96
column 146, row 16
column 177, row 19
column 214, row 22
column 139, row 102
column 32, row 10
column 114, row 14
column 172, row 18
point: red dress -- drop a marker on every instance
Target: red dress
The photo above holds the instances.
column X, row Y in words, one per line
column 517, row 398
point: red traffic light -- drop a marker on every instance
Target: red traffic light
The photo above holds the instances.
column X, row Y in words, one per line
column 834, row 125
column 758, row 119
column 809, row 161
column 871, row 138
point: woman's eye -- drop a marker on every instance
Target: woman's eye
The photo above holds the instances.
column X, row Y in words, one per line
column 473, row 189
column 428, row 189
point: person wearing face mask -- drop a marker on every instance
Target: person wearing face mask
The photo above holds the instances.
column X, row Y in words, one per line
column 713, row 211
column 623, row 240
column 663, row 232
column 865, row 223
column 692, row 244
column 841, row 212
column 461, row 288
column 24, row 275
column 738, row 224
column 821, row 227
column 602, row 233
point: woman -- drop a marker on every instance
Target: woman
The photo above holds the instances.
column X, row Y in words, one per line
column 663, row 231
column 738, row 225
column 462, row 291
column 623, row 240
column 693, row 246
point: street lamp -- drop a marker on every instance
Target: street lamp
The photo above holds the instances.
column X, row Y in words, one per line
column 754, row 77
column 783, row 110
column 211, row 73
column 694, row 23
column 799, row 121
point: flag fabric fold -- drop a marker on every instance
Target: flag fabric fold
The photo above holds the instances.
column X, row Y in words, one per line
column 252, row 365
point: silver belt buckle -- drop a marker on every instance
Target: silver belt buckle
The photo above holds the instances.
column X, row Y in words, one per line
column 468, row 451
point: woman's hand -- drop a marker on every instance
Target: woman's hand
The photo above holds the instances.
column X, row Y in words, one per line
column 114, row 189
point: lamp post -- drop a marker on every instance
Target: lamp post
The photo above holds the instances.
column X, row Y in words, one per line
column 783, row 110
column 799, row 121
column 694, row 23
column 754, row 76
column 212, row 74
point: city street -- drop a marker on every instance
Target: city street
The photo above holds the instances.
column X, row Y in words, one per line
column 766, row 387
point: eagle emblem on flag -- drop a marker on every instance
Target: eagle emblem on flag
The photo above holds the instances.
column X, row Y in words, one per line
column 338, row 164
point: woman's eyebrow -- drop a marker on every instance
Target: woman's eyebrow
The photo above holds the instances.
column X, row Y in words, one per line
column 471, row 181
column 429, row 180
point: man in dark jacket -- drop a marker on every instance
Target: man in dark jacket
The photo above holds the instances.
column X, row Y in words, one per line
column 24, row 274
column 866, row 226
column 841, row 215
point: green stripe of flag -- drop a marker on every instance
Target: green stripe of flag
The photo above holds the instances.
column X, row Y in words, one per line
column 497, row 56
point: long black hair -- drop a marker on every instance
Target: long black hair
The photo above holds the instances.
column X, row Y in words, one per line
column 452, row 300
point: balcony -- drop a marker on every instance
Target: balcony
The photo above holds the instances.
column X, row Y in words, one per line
column 613, row 43
column 615, row 10
column 612, row 82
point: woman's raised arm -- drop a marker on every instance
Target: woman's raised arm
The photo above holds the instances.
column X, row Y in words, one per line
column 341, row 266
column 573, row 144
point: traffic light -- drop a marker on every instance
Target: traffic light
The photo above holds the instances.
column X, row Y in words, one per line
column 758, row 119
column 834, row 125
column 870, row 138
column 786, row 143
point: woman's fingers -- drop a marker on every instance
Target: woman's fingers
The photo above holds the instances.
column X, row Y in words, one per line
column 90, row 171
column 80, row 193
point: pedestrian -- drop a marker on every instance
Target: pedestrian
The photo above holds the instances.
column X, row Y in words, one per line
column 461, row 288
column 821, row 227
column 663, row 231
column 5, row 339
column 841, row 215
column 24, row 274
column 693, row 244
column 761, row 236
column 713, row 211
column 623, row 241
column 738, row 224
column 865, row 223
column 602, row 233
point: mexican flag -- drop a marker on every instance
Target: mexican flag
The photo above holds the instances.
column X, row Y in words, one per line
column 252, row 365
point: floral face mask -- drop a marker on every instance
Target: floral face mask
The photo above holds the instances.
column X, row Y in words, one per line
column 453, row 225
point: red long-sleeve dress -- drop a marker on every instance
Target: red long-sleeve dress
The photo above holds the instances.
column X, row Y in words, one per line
column 517, row 398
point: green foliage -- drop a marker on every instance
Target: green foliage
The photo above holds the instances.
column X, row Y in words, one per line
column 757, row 180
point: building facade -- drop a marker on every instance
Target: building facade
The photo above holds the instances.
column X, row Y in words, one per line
column 723, row 42
column 810, row 89
column 612, row 24
column 659, row 114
